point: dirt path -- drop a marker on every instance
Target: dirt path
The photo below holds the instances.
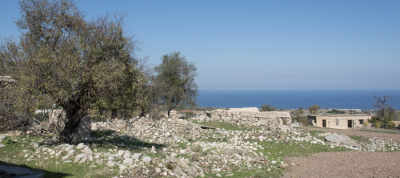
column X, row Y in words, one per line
column 346, row 164
column 394, row 137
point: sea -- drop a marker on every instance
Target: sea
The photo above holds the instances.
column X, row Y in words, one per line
column 292, row 99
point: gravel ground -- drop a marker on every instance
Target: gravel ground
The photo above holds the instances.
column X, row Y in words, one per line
column 394, row 137
column 348, row 164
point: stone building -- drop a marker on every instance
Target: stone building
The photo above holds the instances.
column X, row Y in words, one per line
column 340, row 121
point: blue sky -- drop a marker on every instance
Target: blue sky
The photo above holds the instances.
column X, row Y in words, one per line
column 263, row 44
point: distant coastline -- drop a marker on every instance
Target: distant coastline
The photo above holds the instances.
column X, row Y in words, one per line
column 291, row 99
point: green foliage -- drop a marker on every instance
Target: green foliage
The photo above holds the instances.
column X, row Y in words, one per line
column 267, row 107
column 63, row 59
column 169, row 166
column 314, row 109
column 303, row 120
column 175, row 81
column 197, row 148
column 42, row 117
column 391, row 125
column 335, row 111
column 378, row 124
column 365, row 123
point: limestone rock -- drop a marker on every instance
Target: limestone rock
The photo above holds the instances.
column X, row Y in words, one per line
column 70, row 147
column 128, row 161
column 147, row 160
column 110, row 164
column 80, row 146
column 122, row 168
column 71, row 152
column 87, row 151
column 182, row 163
column 81, row 158
column 127, row 154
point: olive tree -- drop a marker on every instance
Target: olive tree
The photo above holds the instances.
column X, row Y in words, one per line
column 175, row 79
column 314, row 109
column 267, row 107
column 63, row 58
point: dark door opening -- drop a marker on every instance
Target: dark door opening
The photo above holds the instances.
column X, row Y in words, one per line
column 324, row 123
column 350, row 123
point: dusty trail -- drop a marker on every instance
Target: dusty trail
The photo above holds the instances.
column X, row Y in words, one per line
column 348, row 164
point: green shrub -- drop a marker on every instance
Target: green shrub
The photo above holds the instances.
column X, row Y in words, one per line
column 303, row 120
column 197, row 148
column 365, row 123
column 391, row 125
column 335, row 111
column 378, row 124
column 169, row 166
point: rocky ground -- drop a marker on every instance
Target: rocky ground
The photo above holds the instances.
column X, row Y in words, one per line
column 186, row 148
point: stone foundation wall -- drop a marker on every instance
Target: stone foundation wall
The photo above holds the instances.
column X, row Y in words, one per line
column 271, row 119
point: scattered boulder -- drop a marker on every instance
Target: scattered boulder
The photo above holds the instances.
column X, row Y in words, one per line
column 340, row 138
column 147, row 160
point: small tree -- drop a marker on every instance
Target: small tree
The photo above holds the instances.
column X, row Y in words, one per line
column 267, row 107
column 298, row 113
column 378, row 124
column 65, row 60
column 314, row 109
column 175, row 81
column 385, row 112
column 365, row 123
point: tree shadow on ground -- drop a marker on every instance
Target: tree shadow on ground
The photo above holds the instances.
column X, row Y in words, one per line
column 47, row 173
column 110, row 139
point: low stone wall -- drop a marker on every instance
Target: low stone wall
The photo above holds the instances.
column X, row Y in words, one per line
column 250, row 116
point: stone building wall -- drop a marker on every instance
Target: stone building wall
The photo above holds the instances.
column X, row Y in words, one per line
column 339, row 121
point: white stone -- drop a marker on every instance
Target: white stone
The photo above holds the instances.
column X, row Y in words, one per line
column 158, row 170
column 87, row 151
column 80, row 146
column 66, row 157
column 128, row 161
column 137, row 156
column 70, row 147
column 110, row 164
column 71, row 152
column 81, row 158
column 122, row 168
column 121, row 153
column 147, row 160
column 127, row 154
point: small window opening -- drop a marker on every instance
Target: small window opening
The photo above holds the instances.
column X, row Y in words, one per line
column 361, row 121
